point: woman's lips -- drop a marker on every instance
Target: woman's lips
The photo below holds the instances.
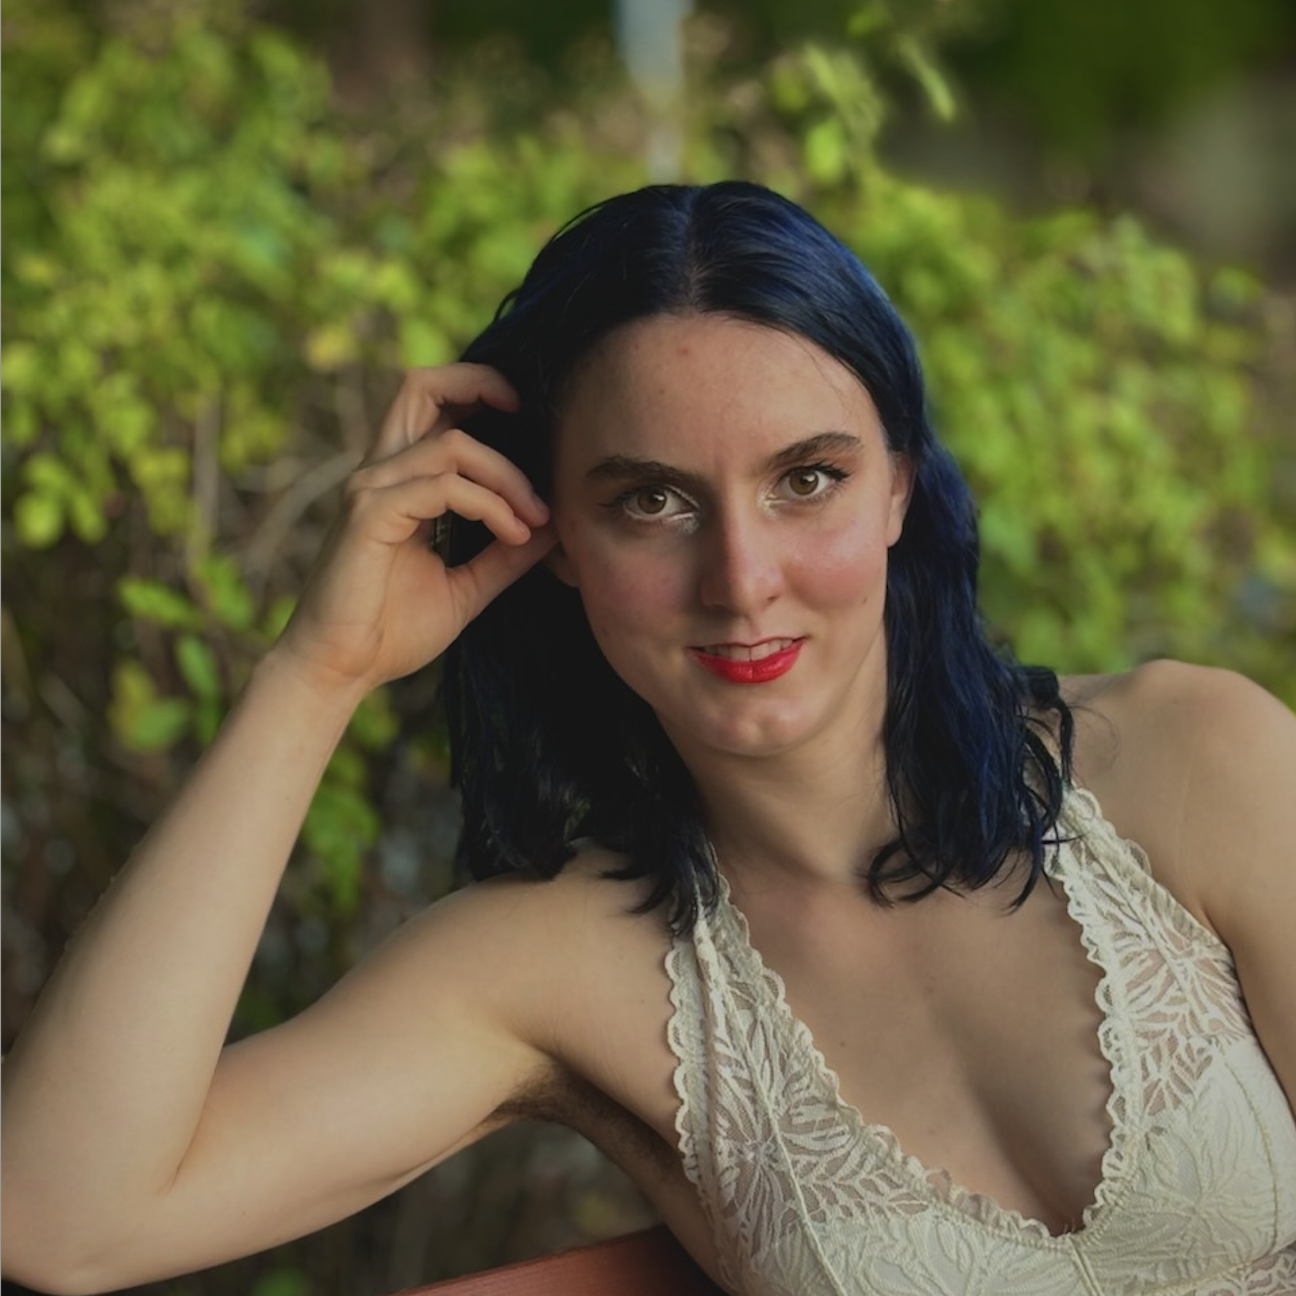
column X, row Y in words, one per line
column 749, row 663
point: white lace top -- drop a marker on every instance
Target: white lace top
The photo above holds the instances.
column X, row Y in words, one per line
column 1198, row 1188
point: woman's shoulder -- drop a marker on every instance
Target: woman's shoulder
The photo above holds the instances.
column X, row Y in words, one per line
column 583, row 933
column 585, row 906
column 1165, row 716
column 1197, row 764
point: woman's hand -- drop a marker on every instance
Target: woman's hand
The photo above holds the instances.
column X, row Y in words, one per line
column 380, row 602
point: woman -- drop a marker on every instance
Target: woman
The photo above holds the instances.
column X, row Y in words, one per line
column 831, row 899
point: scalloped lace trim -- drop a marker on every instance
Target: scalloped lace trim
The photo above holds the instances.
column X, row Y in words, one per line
column 682, row 1049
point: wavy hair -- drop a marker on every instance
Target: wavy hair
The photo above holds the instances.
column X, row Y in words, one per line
column 549, row 745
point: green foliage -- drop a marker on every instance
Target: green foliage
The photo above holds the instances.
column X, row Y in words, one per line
column 283, row 1281
column 343, row 825
column 181, row 195
column 1084, row 101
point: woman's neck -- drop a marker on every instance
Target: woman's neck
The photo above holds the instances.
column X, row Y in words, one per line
column 808, row 817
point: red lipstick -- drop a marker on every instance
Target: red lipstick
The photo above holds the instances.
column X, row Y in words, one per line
column 748, row 670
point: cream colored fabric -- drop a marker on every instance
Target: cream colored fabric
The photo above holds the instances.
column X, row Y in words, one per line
column 1198, row 1190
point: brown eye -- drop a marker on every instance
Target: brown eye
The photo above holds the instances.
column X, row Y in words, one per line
column 805, row 481
column 651, row 500
column 652, row 504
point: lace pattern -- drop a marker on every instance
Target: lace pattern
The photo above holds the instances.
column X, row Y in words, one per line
column 1197, row 1195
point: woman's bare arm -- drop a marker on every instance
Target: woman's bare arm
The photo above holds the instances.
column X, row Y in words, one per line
column 131, row 1145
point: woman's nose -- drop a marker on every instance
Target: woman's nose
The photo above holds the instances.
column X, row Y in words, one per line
column 741, row 565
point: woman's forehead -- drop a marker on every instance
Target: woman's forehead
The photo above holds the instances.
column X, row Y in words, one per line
column 683, row 377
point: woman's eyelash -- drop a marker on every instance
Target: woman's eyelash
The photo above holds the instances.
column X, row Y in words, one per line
column 833, row 472
column 636, row 494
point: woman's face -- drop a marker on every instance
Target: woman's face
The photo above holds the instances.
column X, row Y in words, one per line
column 725, row 500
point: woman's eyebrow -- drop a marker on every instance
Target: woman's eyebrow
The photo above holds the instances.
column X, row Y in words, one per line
column 628, row 468
column 814, row 447
column 618, row 466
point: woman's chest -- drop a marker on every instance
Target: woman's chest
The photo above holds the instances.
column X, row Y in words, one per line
column 971, row 1032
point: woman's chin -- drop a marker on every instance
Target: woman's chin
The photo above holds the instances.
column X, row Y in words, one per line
column 764, row 732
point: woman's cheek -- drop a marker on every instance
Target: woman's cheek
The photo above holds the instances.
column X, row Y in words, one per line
column 628, row 606
column 845, row 566
column 630, row 596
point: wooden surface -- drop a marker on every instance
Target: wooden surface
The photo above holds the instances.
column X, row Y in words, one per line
column 650, row 1263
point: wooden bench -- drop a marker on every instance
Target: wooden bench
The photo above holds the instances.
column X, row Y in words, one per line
column 650, row 1263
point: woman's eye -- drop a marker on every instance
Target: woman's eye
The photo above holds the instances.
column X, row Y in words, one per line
column 651, row 502
column 645, row 502
column 811, row 481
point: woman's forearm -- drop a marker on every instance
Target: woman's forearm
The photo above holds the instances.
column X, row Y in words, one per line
column 106, row 1085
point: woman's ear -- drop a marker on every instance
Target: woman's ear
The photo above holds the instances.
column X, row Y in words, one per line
column 561, row 565
column 902, row 483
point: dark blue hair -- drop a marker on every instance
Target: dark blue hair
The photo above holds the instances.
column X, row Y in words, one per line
column 549, row 745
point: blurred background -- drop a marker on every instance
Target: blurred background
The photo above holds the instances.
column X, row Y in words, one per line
column 228, row 226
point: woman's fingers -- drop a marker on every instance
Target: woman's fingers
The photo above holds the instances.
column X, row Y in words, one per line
column 456, row 454
column 391, row 514
column 432, row 401
column 380, row 604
